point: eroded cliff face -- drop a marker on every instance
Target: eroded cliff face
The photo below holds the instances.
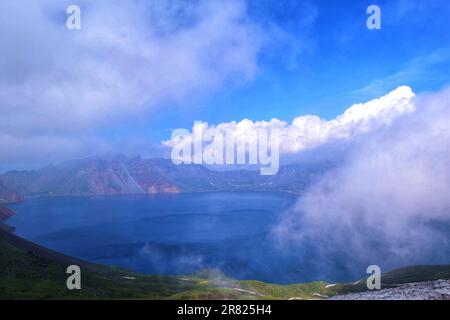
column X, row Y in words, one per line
column 7, row 195
column 121, row 175
column 93, row 176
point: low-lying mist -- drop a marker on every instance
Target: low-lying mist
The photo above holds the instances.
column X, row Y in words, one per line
column 388, row 202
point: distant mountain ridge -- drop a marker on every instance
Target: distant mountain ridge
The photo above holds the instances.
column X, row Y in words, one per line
column 118, row 175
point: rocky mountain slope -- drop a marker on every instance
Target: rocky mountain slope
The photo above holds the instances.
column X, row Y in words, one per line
column 121, row 175
column 5, row 213
column 7, row 195
column 429, row 290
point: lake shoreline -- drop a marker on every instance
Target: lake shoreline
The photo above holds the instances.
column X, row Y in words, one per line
column 150, row 195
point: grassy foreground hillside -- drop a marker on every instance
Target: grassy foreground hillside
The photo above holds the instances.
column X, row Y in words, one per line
column 28, row 271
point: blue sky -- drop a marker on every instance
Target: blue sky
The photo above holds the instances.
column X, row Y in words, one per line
column 139, row 69
column 339, row 62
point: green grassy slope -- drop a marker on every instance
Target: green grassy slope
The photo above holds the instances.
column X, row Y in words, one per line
column 25, row 275
column 28, row 271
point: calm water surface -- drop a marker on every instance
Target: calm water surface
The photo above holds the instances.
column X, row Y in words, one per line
column 179, row 234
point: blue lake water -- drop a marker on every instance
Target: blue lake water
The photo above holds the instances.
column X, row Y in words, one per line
column 179, row 234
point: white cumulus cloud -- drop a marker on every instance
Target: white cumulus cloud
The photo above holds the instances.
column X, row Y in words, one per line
column 308, row 132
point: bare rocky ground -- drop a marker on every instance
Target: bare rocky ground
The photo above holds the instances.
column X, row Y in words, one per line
column 430, row 290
